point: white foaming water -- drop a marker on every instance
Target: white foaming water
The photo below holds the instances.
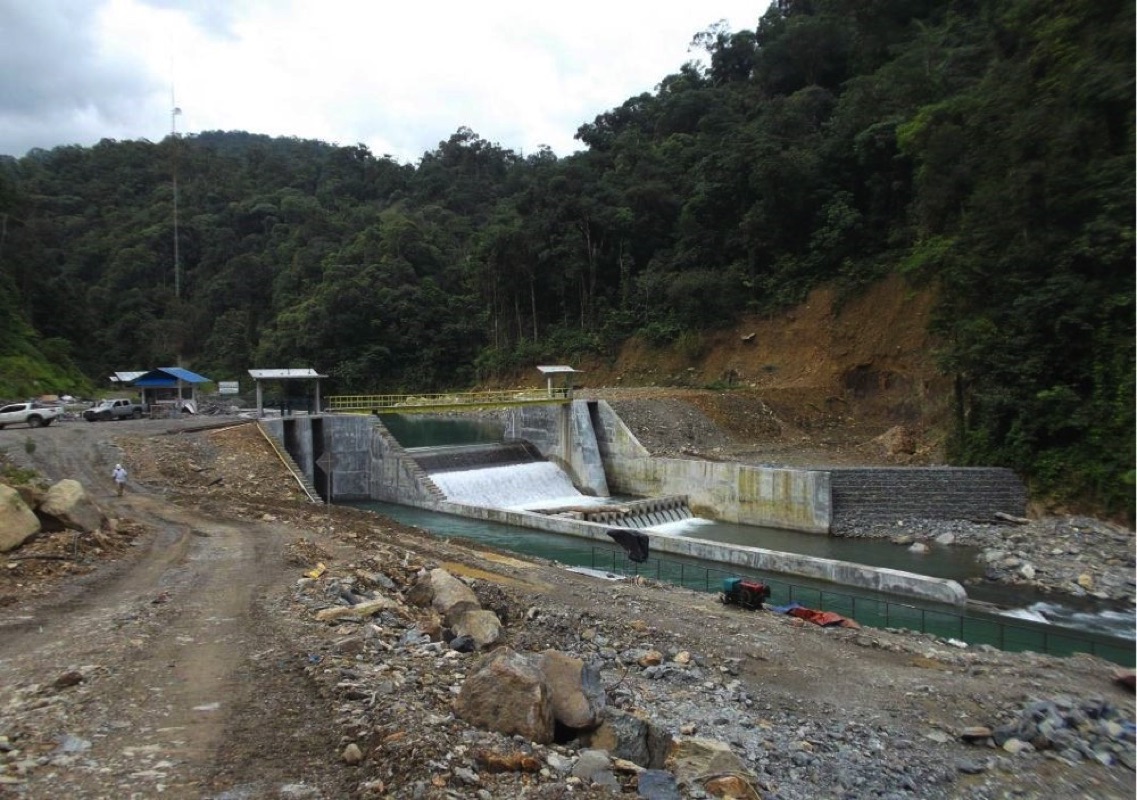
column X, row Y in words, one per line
column 682, row 527
column 575, row 500
column 513, row 486
column 1113, row 623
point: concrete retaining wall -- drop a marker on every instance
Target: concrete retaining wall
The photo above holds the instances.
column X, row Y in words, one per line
column 563, row 434
column 295, row 433
column 887, row 495
column 349, row 448
column 743, row 493
column 584, row 453
column 395, row 476
column 364, row 460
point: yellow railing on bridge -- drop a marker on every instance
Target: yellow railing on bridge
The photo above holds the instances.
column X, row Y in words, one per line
column 420, row 403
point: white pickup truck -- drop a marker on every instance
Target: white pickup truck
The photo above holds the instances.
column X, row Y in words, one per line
column 34, row 415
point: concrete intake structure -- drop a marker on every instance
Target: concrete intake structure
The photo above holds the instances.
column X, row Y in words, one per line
column 354, row 457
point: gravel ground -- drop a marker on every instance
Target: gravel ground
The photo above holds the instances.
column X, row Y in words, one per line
column 188, row 660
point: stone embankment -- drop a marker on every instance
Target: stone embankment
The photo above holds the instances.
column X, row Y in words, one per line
column 555, row 701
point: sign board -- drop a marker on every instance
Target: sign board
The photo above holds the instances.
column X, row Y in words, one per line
column 228, row 387
column 324, row 462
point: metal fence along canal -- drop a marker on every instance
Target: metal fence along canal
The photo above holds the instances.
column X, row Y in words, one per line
column 878, row 612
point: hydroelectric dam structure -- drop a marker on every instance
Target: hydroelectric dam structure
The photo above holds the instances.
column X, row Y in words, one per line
column 563, row 460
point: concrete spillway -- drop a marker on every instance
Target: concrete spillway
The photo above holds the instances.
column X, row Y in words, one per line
column 512, row 486
column 514, row 482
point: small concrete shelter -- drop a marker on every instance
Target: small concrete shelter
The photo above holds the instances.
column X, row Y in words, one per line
column 259, row 376
column 559, row 369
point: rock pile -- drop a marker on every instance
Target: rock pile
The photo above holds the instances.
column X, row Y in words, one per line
column 1071, row 729
column 1077, row 556
column 404, row 665
column 566, row 702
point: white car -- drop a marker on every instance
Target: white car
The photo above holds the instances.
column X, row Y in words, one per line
column 33, row 415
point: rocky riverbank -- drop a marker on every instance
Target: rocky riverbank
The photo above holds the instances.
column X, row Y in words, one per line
column 1069, row 556
column 670, row 715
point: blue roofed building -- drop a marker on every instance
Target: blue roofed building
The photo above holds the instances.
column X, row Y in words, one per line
column 170, row 389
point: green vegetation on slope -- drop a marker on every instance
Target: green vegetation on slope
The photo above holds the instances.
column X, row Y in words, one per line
column 983, row 146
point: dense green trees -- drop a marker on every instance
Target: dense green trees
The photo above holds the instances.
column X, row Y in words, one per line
column 985, row 147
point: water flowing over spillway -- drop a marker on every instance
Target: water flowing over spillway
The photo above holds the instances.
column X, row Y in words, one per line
column 515, row 486
column 542, row 485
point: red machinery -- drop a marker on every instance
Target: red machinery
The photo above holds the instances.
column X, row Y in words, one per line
column 744, row 593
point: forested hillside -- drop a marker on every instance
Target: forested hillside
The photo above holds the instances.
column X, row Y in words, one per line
column 982, row 148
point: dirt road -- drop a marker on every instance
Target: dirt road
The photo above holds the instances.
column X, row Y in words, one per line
column 172, row 656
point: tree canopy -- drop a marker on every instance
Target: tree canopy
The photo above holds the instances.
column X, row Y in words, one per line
column 983, row 147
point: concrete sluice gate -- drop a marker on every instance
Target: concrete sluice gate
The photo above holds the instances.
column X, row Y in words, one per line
column 561, row 465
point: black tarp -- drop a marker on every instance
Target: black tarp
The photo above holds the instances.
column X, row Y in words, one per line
column 635, row 544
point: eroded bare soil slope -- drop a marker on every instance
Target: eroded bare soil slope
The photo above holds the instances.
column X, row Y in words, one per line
column 831, row 383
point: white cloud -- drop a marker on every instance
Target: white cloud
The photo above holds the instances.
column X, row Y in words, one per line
column 397, row 77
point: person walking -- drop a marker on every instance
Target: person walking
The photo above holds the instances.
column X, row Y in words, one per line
column 119, row 476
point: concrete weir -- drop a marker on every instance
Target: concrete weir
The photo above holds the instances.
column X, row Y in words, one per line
column 352, row 457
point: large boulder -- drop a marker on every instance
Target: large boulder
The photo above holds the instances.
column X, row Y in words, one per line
column 480, row 625
column 17, row 521
column 578, row 696
column 450, row 597
column 506, row 692
column 631, row 738
column 31, row 493
column 712, row 766
column 67, row 505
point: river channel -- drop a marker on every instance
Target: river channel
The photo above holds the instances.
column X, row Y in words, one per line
column 1034, row 621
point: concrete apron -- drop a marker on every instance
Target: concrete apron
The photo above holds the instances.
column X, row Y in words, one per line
column 844, row 573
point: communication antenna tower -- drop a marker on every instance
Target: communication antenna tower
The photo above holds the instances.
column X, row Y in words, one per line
column 174, row 113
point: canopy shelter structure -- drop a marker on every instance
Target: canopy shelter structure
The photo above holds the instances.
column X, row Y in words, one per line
column 259, row 376
column 550, row 372
column 170, row 389
column 123, row 378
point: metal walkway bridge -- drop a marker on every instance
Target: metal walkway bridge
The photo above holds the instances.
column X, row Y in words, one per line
column 425, row 403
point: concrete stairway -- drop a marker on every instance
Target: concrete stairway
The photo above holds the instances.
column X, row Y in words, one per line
column 410, row 464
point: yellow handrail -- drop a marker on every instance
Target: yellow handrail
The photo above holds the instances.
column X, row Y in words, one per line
column 392, row 403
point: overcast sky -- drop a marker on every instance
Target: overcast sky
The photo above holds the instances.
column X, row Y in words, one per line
column 397, row 76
